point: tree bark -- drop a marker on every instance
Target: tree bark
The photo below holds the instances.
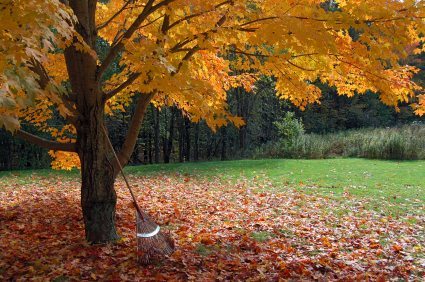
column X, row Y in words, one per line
column 196, row 149
column 223, row 155
column 98, row 165
column 44, row 143
column 181, row 138
column 188, row 139
column 210, row 144
column 156, row 117
column 168, row 143
column 150, row 148
column 98, row 197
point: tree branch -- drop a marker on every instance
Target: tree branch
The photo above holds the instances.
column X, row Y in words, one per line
column 258, row 20
column 170, row 26
column 115, row 49
column 119, row 46
column 187, row 57
column 114, row 16
column 44, row 143
column 44, row 79
column 299, row 67
column 177, row 47
column 239, row 51
column 134, row 128
column 132, row 77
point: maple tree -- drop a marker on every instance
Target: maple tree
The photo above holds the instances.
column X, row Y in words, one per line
column 186, row 53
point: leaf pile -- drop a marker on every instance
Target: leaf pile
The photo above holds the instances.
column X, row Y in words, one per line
column 223, row 231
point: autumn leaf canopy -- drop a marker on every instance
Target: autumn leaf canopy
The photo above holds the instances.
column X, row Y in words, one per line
column 190, row 52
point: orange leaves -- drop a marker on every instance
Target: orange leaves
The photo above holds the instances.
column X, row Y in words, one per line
column 396, row 248
column 21, row 45
column 326, row 242
column 223, row 231
column 420, row 105
column 298, row 42
column 374, row 244
column 205, row 238
column 64, row 160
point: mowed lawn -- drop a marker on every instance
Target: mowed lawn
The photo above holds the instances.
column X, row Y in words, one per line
column 264, row 220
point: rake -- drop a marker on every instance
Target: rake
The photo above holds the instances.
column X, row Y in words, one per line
column 151, row 241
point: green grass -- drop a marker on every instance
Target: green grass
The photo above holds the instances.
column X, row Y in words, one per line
column 389, row 185
column 262, row 236
column 28, row 176
column 405, row 178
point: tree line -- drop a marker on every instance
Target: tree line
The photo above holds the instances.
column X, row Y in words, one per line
column 168, row 135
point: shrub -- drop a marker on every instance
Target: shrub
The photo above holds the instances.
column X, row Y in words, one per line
column 289, row 127
column 399, row 143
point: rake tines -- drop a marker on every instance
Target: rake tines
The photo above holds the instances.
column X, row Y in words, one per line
column 151, row 241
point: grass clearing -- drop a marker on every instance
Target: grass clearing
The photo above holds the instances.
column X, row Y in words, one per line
column 390, row 186
column 400, row 185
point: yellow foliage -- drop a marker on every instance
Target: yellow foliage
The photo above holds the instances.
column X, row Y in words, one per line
column 64, row 160
column 190, row 52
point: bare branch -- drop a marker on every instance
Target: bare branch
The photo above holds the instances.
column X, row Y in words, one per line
column 44, row 143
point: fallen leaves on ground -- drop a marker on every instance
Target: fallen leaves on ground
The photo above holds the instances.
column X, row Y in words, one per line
column 223, row 231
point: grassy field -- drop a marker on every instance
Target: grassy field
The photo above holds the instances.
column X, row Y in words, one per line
column 394, row 187
column 389, row 185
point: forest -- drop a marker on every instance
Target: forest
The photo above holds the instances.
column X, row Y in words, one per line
column 168, row 136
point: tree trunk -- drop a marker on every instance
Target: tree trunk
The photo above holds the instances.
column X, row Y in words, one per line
column 98, row 197
column 196, row 150
column 223, row 156
column 156, row 117
column 181, row 138
column 150, row 148
column 210, row 148
column 168, row 143
column 98, row 165
column 188, row 139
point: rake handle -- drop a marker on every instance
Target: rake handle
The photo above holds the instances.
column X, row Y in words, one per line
column 122, row 173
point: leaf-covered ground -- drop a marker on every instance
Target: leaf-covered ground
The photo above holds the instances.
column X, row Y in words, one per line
column 223, row 231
